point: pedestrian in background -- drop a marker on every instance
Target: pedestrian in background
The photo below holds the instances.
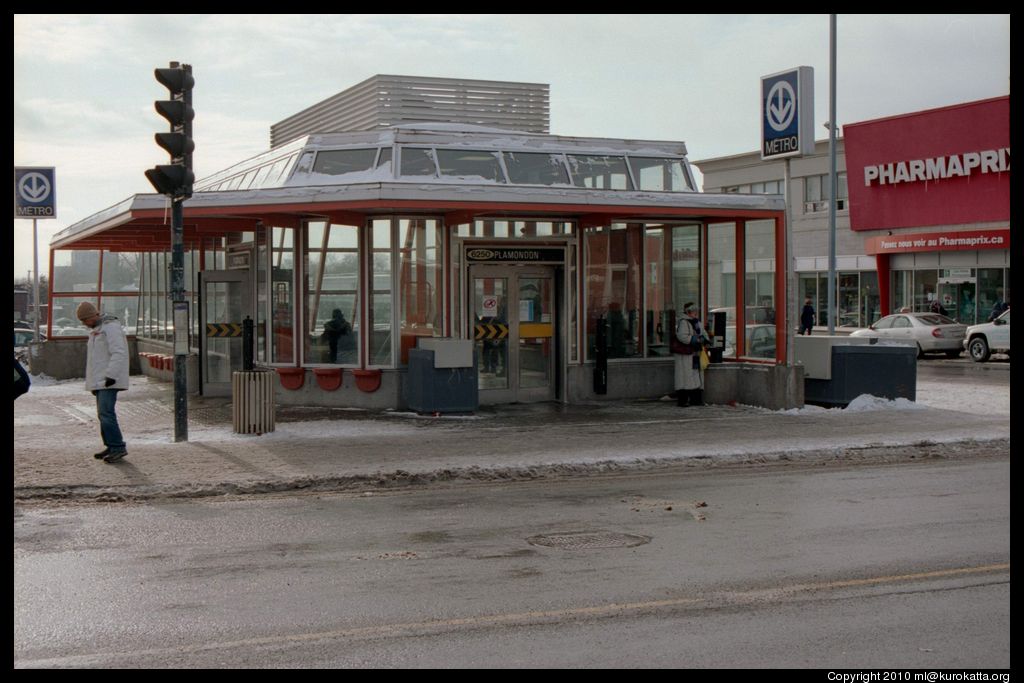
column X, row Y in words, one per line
column 807, row 317
column 106, row 373
column 689, row 377
column 999, row 307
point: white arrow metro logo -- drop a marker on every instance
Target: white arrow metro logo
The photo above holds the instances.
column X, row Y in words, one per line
column 34, row 187
column 781, row 106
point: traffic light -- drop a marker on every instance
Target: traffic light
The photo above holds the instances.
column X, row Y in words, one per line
column 175, row 179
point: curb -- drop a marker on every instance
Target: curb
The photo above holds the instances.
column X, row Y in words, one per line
column 398, row 480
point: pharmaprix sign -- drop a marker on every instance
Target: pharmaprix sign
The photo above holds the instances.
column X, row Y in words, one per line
column 942, row 167
column 938, row 241
column 939, row 168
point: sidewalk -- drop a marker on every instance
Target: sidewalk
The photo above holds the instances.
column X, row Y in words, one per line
column 56, row 433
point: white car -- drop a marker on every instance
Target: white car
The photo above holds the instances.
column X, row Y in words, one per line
column 930, row 332
column 982, row 340
column 760, row 341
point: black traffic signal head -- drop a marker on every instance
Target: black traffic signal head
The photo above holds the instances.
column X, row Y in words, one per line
column 176, row 79
column 172, row 180
column 175, row 180
column 177, row 113
column 178, row 145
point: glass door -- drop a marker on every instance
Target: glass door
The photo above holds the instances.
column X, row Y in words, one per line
column 225, row 304
column 513, row 321
column 957, row 296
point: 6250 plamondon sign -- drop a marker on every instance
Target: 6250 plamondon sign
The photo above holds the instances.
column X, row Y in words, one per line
column 948, row 166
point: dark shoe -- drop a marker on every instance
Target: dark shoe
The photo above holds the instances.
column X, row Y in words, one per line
column 697, row 397
column 682, row 399
column 115, row 456
column 102, row 454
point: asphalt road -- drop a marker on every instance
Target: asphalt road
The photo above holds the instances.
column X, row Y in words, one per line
column 903, row 566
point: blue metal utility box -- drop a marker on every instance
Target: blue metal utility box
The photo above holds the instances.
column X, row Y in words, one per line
column 884, row 371
column 448, row 389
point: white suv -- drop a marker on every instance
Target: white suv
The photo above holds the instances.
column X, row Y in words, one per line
column 982, row 340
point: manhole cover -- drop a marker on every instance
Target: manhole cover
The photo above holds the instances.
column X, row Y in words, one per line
column 587, row 540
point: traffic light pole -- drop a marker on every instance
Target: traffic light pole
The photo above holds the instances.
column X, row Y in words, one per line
column 181, row 322
column 174, row 180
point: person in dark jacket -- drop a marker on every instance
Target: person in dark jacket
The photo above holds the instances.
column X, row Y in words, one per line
column 21, row 380
column 1000, row 306
column 339, row 335
column 807, row 317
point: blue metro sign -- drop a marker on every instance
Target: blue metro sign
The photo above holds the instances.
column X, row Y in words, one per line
column 35, row 192
column 787, row 113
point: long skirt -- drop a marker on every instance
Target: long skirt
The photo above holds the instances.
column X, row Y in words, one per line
column 688, row 374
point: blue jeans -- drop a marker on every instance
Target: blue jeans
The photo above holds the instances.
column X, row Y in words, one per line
column 106, row 401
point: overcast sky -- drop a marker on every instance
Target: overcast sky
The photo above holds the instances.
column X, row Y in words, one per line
column 84, row 86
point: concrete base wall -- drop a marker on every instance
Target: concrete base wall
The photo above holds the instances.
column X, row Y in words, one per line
column 775, row 387
column 167, row 349
column 65, row 358
column 348, row 395
column 626, row 379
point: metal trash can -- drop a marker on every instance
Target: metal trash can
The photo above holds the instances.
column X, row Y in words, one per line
column 252, row 407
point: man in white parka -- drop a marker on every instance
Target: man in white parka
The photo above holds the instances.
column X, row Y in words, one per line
column 106, row 373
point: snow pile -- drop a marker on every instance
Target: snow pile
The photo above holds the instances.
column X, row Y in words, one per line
column 866, row 402
column 863, row 403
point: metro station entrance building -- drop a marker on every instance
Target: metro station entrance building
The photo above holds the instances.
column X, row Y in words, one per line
column 347, row 248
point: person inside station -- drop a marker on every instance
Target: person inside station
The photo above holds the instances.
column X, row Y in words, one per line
column 338, row 334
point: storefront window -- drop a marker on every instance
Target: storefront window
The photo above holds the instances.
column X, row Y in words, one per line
column 759, row 288
column 378, row 319
column 925, row 289
column 807, row 289
column 870, row 303
column 991, row 289
column 672, row 271
column 722, row 269
column 421, row 281
column 848, row 300
column 902, row 291
column 282, row 295
column 332, row 294
column 613, row 287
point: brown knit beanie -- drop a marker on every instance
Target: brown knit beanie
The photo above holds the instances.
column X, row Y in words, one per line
column 86, row 310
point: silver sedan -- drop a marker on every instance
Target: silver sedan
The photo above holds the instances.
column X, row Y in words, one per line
column 930, row 332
